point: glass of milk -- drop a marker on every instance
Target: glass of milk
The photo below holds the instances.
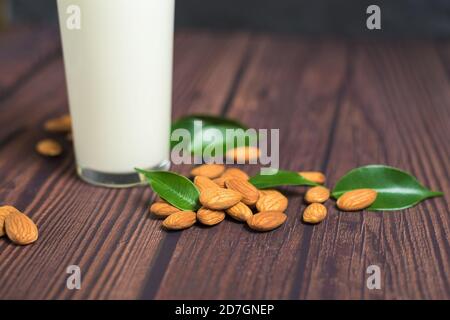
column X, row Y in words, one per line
column 118, row 63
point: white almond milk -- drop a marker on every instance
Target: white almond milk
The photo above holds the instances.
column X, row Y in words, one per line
column 118, row 62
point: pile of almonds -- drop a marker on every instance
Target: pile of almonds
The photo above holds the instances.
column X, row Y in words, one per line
column 51, row 147
column 17, row 226
column 228, row 192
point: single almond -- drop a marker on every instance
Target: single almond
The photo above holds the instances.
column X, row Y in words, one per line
column 356, row 199
column 49, row 148
column 220, row 181
column 240, row 212
column 231, row 173
column 314, row 213
column 317, row 194
column 20, row 229
column 219, row 198
column 273, row 201
column 162, row 209
column 180, row 220
column 266, row 221
column 265, row 192
column 60, row 124
column 314, row 176
column 202, row 183
column 243, row 154
column 210, row 217
column 248, row 191
column 4, row 212
column 235, row 173
column 208, row 170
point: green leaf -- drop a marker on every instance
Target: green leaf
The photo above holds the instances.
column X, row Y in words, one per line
column 396, row 189
column 177, row 190
column 211, row 133
column 280, row 178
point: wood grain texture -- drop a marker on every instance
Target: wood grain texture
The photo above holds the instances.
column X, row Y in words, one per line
column 395, row 111
column 337, row 104
column 108, row 233
column 275, row 93
column 24, row 51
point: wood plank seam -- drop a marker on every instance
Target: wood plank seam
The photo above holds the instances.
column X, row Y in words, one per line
column 170, row 241
column 304, row 249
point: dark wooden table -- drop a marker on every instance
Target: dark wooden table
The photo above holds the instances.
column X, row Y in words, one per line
column 339, row 104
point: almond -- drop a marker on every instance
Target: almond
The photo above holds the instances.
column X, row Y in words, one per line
column 202, row 183
column 314, row 213
column 208, row 170
column 210, row 217
column 314, row 176
column 231, row 173
column 273, row 201
column 49, row 148
column 219, row 198
column 356, row 199
column 162, row 209
column 243, row 154
column 221, row 181
column 20, row 229
column 265, row 192
column 240, row 212
column 248, row 191
column 4, row 212
column 266, row 221
column 235, row 173
column 180, row 220
column 60, row 124
column 317, row 194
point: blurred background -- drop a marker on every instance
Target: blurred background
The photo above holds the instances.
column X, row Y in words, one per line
column 400, row 18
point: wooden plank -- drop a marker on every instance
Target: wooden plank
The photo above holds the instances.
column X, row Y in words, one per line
column 291, row 85
column 25, row 50
column 396, row 112
column 108, row 233
column 443, row 49
column 337, row 107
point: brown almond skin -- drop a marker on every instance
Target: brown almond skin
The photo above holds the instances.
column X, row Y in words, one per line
column 208, row 170
column 240, row 212
column 356, row 199
column 162, row 209
column 210, row 217
column 317, row 194
column 61, row 124
column 49, row 148
column 20, row 229
column 314, row 176
column 266, row 221
column 180, row 220
column 266, row 192
column 273, row 201
column 202, row 183
column 235, row 173
column 219, row 198
column 244, row 154
column 231, row 173
column 4, row 212
column 248, row 191
column 314, row 213
column 220, row 181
